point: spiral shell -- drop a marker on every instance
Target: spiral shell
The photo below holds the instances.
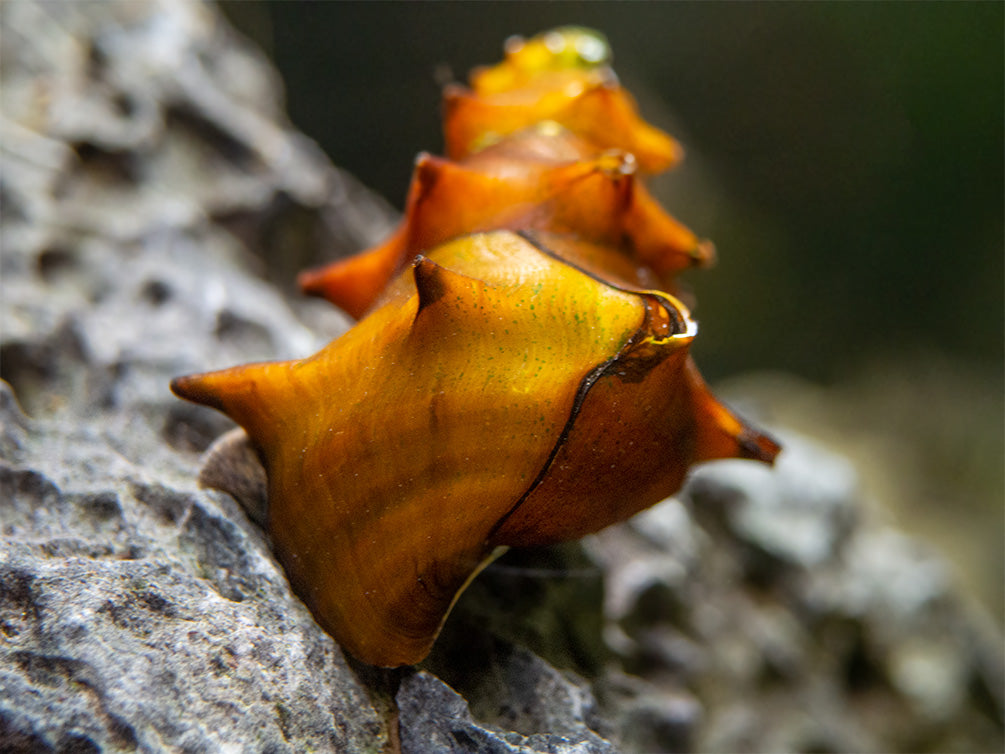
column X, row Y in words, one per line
column 523, row 380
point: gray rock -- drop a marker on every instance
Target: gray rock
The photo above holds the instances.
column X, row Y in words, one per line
column 796, row 619
column 798, row 512
column 139, row 611
column 538, row 710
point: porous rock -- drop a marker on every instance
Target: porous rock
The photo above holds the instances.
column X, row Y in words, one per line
column 138, row 611
column 528, row 696
column 149, row 185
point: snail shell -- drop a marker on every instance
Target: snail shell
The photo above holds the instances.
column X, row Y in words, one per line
column 499, row 396
column 546, row 140
column 521, row 372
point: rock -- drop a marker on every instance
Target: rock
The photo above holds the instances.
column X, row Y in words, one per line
column 535, row 709
column 137, row 610
column 798, row 512
column 828, row 634
column 150, row 185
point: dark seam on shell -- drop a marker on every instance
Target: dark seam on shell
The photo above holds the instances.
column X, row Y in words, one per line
column 584, row 387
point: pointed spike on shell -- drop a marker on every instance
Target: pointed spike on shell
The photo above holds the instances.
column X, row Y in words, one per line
column 427, row 168
column 251, row 394
column 353, row 284
column 433, row 282
column 197, row 388
column 723, row 434
column 756, row 445
column 704, row 253
column 662, row 242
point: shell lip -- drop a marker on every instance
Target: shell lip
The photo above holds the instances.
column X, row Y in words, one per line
column 672, row 316
column 642, row 353
column 584, row 388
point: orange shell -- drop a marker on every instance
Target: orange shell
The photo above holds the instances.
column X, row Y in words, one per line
column 455, row 418
column 540, row 179
column 546, row 140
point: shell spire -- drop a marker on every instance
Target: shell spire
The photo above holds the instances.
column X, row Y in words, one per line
column 562, row 76
column 545, row 140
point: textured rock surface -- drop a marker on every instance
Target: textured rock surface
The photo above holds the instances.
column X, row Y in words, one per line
column 138, row 612
column 149, row 182
column 537, row 697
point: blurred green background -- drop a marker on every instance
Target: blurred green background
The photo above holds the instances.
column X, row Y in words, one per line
column 847, row 160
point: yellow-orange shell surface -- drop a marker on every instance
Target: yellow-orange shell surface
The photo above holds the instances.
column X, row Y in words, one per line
column 403, row 453
column 645, row 419
column 522, row 372
column 601, row 112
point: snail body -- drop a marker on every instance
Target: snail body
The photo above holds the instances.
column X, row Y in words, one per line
column 520, row 371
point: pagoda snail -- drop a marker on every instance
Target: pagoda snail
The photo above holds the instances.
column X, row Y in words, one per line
column 521, row 375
